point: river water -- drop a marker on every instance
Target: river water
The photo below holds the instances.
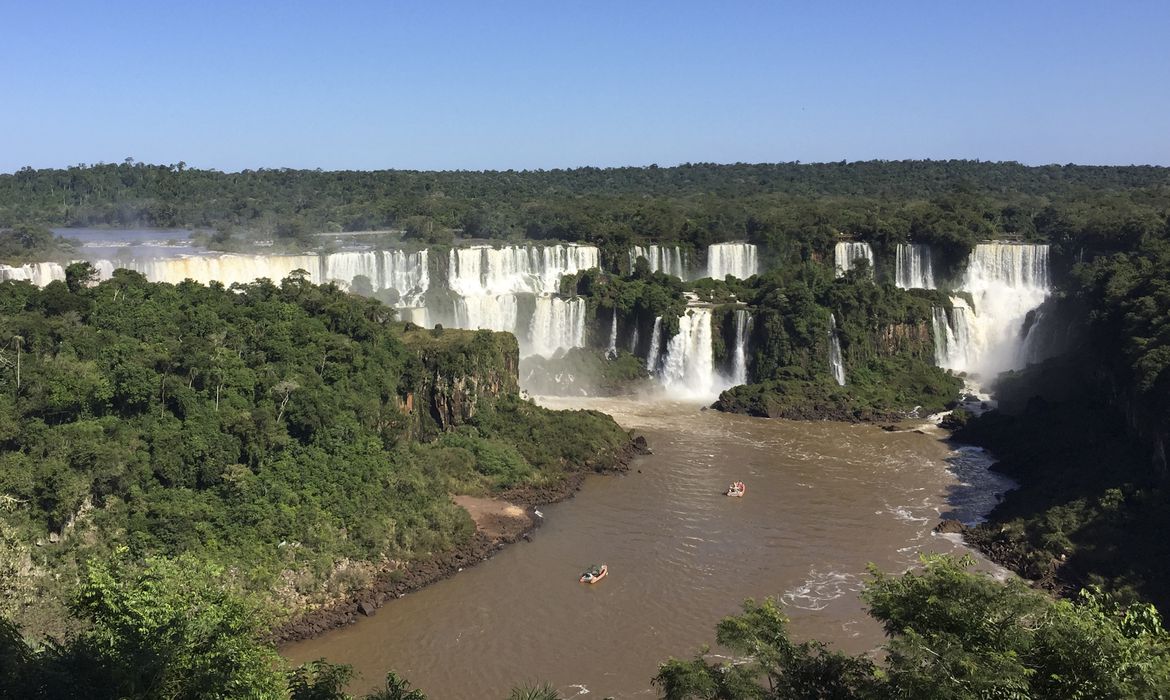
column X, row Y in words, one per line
column 823, row 500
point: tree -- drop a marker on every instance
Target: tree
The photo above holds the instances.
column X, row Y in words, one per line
column 954, row 634
column 175, row 628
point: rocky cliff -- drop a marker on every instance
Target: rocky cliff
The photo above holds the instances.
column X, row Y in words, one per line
column 460, row 371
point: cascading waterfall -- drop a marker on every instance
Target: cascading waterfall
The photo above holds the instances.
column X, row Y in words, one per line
column 952, row 335
column 39, row 274
column 226, row 269
column 612, row 350
column 402, row 271
column 835, row 360
column 655, row 347
column 634, row 341
column 914, row 268
column 846, row 253
column 486, row 282
column 1005, row 282
column 557, row 324
column 689, row 367
column 736, row 259
column 743, row 327
column 670, row 260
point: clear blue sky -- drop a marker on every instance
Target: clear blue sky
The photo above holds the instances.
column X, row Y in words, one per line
column 544, row 84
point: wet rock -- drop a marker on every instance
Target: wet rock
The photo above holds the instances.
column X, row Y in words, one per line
column 366, row 608
column 641, row 446
column 950, row 526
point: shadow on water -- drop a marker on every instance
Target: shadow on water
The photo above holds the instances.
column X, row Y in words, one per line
column 978, row 489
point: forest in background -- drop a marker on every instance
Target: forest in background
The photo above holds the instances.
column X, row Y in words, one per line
column 791, row 209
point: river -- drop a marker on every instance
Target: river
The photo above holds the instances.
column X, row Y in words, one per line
column 823, row 501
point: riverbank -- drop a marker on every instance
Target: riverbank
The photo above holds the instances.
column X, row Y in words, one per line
column 500, row 521
column 1072, row 523
column 681, row 556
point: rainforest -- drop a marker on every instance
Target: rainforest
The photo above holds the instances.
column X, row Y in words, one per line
column 292, row 399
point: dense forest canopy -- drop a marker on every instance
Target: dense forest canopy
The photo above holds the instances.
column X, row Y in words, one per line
column 949, row 203
column 281, row 429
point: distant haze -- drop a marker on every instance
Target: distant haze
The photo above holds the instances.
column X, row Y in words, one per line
column 472, row 85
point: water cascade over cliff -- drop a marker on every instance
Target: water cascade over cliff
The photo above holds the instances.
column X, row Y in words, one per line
column 736, row 259
column 670, row 260
column 487, row 284
column 39, row 274
column 1005, row 282
column 611, row 351
column 652, row 357
column 743, row 329
column 846, row 253
column 405, row 272
column 836, row 362
column 557, row 324
column 688, row 370
column 913, row 267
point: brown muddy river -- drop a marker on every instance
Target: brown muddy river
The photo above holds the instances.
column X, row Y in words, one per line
column 823, row 500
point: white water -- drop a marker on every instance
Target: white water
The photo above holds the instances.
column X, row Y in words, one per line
column 405, row 272
column 846, row 253
column 835, row 361
column 557, row 324
column 1006, row 281
column 689, row 367
column 952, row 336
column 487, row 282
column 39, row 274
column 670, row 260
column 612, row 350
column 914, row 267
column 652, row 360
column 736, row 259
column 743, row 327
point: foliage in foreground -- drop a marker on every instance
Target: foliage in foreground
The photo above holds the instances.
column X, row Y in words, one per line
column 953, row 634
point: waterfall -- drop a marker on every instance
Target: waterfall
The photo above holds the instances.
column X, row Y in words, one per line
column 846, row 253
column 487, row 312
column 478, row 270
column 557, row 324
column 227, row 269
column 743, row 327
column 634, row 340
column 1005, row 282
column 835, row 361
column 914, row 268
column 39, row 274
column 487, row 282
column 655, row 347
column 399, row 270
column 952, row 335
column 670, row 260
column 736, row 259
column 611, row 352
column 689, row 367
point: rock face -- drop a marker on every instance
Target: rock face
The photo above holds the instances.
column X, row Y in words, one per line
column 913, row 339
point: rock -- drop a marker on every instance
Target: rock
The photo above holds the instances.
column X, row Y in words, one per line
column 950, row 526
column 641, row 445
column 890, row 428
column 366, row 608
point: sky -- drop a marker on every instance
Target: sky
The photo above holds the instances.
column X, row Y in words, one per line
column 495, row 84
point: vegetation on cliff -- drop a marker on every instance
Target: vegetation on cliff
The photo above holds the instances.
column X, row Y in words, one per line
column 886, row 340
column 271, row 429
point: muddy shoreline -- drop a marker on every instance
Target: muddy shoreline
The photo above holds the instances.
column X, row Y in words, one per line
column 391, row 584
